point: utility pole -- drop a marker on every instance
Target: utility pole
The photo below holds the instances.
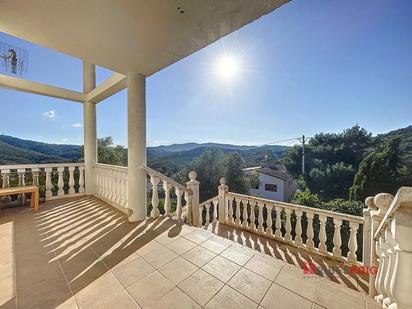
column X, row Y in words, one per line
column 303, row 155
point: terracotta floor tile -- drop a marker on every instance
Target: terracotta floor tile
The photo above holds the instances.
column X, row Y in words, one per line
column 250, row 284
column 221, row 268
column 295, row 280
column 181, row 246
column 237, row 254
column 177, row 270
column 265, row 266
column 201, row 286
column 341, row 297
column 176, row 299
column 159, row 256
column 133, row 271
column 120, row 300
column 150, row 289
column 228, row 298
column 98, row 291
column 199, row 256
column 199, row 236
column 279, row 297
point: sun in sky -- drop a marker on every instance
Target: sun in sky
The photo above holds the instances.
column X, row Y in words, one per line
column 227, row 67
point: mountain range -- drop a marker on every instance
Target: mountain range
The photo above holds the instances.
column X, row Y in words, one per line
column 15, row 150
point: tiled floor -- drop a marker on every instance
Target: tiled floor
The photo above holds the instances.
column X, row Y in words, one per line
column 82, row 253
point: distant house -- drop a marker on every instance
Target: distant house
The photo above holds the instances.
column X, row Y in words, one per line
column 274, row 183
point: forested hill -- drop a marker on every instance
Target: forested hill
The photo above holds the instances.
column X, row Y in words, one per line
column 19, row 151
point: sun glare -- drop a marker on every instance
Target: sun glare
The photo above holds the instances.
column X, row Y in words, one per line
column 227, row 68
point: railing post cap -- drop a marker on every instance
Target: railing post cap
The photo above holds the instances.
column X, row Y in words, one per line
column 192, row 175
column 222, row 181
column 383, row 201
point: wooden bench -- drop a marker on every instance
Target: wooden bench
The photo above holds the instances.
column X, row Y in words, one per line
column 34, row 201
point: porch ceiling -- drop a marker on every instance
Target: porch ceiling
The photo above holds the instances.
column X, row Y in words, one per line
column 129, row 35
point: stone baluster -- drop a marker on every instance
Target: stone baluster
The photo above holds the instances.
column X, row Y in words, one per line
column 207, row 216
column 237, row 219
column 269, row 231
column 167, row 187
column 278, row 222
column 298, row 228
column 71, row 180
column 193, row 207
column 155, row 197
column 22, row 183
column 223, row 189
column 244, row 214
column 5, row 175
column 383, row 270
column 60, row 181
column 215, row 204
column 179, row 194
column 35, row 173
column 353, row 243
column 49, row 192
column 322, row 234
column 110, row 182
column 378, row 205
column 122, row 189
column 391, row 253
column 115, row 186
column 288, row 225
column 230, row 211
column 337, row 240
column 252, row 225
column 260, row 228
column 81, row 179
column 187, row 215
column 378, row 278
column 309, row 232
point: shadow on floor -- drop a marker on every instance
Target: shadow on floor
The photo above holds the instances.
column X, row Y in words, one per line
column 65, row 247
column 333, row 270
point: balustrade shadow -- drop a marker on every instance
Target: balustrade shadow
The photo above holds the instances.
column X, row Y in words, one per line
column 72, row 242
column 325, row 267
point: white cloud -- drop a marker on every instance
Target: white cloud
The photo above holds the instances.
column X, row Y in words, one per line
column 51, row 114
column 77, row 125
column 65, row 140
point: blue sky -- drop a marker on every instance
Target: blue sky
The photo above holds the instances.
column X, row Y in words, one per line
column 308, row 67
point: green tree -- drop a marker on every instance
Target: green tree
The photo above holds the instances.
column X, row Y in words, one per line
column 209, row 168
column 108, row 153
column 331, row 160
column 236, row 179
column 378, row 172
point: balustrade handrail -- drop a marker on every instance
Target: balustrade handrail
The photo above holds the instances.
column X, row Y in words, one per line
column 165, row 178
column 41, row 165
column 402, row 196
column 327, row 213
column 209, row 200
column 110, row 167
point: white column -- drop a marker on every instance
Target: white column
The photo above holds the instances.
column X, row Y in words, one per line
column 89, row 127
column 136, row 116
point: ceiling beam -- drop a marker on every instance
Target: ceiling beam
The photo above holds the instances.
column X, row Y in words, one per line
column 109, row 87
column 18, row 84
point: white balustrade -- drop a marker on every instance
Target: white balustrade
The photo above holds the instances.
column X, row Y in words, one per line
column 244, row 214
column 111, row 184
column 391, row 231
column 162, row 185
column 265, row 209
column 46, row 177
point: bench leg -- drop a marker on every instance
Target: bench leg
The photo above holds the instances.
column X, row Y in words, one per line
column 36, row 200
